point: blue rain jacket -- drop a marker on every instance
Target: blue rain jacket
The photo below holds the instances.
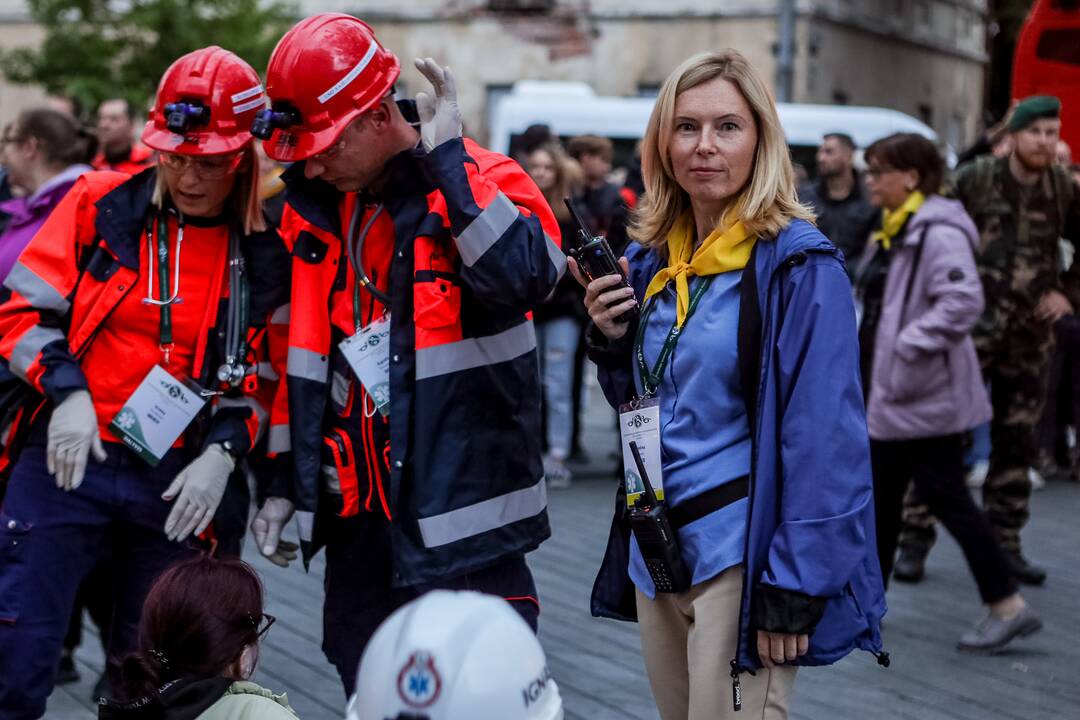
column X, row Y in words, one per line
column 811, row 527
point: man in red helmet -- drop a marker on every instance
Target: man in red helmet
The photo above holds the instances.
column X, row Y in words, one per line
column 413, row 403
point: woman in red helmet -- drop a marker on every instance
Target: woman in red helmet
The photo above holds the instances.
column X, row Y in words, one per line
column 134, row 319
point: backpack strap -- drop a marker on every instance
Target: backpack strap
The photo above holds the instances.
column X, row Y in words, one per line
column 749, row 337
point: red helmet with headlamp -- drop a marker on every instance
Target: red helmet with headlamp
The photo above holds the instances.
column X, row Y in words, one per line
column 327, row 70
column 205, row 105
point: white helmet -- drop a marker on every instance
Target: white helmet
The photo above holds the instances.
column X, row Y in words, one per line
column 454, row 656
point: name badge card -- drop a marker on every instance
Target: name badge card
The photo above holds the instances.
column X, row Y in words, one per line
column 368, row 354
column 155, row 415
column 640, row 423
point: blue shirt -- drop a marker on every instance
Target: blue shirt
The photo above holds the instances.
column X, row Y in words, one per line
column 704, row 430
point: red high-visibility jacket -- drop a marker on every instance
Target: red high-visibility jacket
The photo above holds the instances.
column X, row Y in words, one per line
column 475, row 249
column 84, row 261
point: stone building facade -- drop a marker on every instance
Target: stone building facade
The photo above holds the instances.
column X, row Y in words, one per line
column 924, row 57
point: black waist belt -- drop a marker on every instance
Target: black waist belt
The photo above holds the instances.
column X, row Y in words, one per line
column 708, row 502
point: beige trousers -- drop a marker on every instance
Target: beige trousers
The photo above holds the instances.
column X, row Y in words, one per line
column 688, row 640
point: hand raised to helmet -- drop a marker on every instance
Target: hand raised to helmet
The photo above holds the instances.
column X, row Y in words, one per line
column 440, row 116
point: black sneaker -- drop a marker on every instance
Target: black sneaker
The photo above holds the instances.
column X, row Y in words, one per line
column 910, row 565
column 1024, row 571
column 67, row 673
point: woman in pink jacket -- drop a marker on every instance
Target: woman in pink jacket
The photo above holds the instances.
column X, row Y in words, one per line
column 921, row 294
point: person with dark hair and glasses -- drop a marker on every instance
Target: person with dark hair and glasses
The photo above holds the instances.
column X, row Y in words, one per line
column 198, row 646
column 43, row 152
column 921, row 295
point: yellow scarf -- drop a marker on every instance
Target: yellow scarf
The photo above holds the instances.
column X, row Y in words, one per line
column 892, row 221
column 723, row 250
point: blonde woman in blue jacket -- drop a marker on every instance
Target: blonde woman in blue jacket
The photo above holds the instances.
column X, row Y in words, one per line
column 763, row 445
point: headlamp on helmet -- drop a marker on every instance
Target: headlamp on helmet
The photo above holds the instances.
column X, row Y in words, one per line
column 281, row 117
column 182, row 117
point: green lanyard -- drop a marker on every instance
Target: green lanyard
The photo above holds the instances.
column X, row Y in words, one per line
column 651, row 380
column 165, row 328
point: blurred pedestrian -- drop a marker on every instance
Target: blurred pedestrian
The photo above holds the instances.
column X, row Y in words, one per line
column 124, row 461
column 843, row 213
column 458, row 656
column 116, row 133
column 925, row 387
column 1022, row 204
column 412, row 431
column 777, row 549
column 44, row 152
column 602, row 198
column 198, row 645
column 535, row 136
column 560, row 320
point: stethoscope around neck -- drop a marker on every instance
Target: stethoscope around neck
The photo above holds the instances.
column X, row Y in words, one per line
column 233, row 371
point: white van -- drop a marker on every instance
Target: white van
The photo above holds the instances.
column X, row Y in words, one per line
column 572, row 108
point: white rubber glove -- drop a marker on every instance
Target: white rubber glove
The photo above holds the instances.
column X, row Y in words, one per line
column 440, row 117
column 72, row 436
column 269, row 521
column 201, row 486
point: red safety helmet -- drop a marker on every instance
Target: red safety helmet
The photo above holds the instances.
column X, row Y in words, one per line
column 324, row 72
column 205, row 104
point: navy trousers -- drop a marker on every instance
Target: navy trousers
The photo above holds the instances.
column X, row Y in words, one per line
column 359, row 594
column 50, row 540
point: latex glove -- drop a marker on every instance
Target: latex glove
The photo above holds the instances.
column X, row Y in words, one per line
column 72, row 436
column 269, row 521
column 201, row 486
column 440, row 117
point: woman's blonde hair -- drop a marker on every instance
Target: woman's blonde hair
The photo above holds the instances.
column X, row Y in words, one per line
column 245, row 199
column 766, row 205
column 568, row 179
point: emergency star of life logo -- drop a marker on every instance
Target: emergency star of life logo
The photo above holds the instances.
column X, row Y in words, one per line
column 418, row 682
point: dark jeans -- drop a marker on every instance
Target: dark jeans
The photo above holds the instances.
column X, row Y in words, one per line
column 50, row 540
column 936, row 466
column 359, row 595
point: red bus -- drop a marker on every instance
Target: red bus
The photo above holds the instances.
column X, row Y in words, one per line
column 1047, row 60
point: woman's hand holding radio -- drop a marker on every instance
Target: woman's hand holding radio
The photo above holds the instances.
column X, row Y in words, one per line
column 606, row 298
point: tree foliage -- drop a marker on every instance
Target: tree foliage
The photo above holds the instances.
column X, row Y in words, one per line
column 98, row 49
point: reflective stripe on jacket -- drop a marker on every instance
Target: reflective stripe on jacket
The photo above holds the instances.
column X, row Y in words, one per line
column 475, row 250
column 92, row 241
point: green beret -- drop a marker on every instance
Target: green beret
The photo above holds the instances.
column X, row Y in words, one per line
column 1034, row 108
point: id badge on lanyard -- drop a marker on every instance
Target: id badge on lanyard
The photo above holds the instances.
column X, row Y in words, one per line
column 368, row 354
column 639, row 422
column 157, row 413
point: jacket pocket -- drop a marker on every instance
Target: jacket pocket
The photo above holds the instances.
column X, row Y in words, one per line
column 13, row 566
column 340, row 469
column 437, row 302
column 927, row 374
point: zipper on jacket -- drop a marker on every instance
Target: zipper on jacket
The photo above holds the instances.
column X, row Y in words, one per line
column 796, row 258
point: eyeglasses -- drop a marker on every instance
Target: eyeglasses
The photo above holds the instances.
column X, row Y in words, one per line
column 211, row 167
column 876, row 172
column 264, row 624
column 10, row 138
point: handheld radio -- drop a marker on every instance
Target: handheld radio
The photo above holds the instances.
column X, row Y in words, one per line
column 656, row 538
column 595, row 258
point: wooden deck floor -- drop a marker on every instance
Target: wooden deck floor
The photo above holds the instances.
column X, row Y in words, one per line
column 598, row 666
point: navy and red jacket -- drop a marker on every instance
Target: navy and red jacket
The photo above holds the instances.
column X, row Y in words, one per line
column 475, row 248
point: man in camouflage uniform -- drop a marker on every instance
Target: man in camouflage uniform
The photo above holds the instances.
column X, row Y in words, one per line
column 1022, row 204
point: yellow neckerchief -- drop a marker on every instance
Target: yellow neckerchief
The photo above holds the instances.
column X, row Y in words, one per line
column 723, row 250
column 892, row 221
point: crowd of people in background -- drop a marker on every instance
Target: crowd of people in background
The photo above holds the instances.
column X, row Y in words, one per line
column 964, row 291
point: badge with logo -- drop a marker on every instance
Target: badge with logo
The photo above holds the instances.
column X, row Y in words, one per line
column 419, row 683
column 368, row 354
column 156, row 414
column 640, row 422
